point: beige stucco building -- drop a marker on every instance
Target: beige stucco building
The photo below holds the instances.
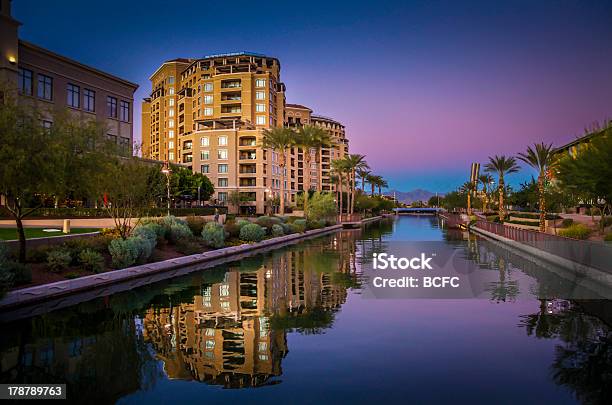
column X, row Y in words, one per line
column 54, row 81
column 210, row 114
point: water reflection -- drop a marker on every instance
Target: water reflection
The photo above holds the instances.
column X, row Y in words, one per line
column 229, row 326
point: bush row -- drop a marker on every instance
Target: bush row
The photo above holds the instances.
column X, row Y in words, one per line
column 101, row 213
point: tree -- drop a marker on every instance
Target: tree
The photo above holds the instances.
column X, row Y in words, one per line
column 234, row 199
column 127, row 192
column 373, row 180
column 485, row 180
column 501, row 165
column 279, row 140
column 39, row 162
column 339, row 170
column 354, row 162
column 364, row 174
column 541, row 158
column 184, row 184
column 589, row 174
column 311, row 137
column 322, row 206
column 468, row 188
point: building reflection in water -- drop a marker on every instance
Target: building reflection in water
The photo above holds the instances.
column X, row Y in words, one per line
column 233, row 332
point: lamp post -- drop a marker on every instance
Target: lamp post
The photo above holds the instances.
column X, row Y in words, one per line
column 166, row 170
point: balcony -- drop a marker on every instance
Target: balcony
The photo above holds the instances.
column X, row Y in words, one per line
column 248, row 155
column 231, row 109
column 251, row 141
column 230, row 84
column 231, row 96
column 248, row 169
column 248, row 182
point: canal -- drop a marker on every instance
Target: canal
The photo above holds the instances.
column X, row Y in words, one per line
column 292, row 325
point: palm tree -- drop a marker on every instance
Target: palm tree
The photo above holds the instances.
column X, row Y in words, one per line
column 279, row 140
column 374, row 180
column 339, row 170
column 485, row 180
column 382, row 183
column 354, row 162
column 540, row 157
column 501, row 165
column 468, row 187
column 363, row 173
column 311, row 137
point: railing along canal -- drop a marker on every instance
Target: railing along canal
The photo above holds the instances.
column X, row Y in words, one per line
column 597, row 255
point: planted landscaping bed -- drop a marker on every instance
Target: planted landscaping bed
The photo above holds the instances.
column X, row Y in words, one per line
column 154, row 240
column 11, row 233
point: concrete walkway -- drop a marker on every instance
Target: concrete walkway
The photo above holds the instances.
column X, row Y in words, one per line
column 77, row 222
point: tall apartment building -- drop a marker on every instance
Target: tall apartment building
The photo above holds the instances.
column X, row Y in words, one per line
column 210, row 114
column 55, row 81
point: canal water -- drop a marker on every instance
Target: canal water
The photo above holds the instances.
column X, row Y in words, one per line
column 292, row 325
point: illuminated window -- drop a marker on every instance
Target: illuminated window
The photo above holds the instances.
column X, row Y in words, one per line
column 260, row 83
column 261, row 120
column 223, row 141
column 260, row 95
column 260, row 107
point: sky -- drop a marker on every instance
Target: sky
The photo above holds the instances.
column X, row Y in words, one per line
column 424, row 88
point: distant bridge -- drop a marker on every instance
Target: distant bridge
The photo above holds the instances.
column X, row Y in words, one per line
column 424, row 210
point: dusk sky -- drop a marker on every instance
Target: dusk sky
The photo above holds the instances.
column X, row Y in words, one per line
column 424, row 88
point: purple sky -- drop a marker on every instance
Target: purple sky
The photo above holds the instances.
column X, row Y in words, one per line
column 424, row 88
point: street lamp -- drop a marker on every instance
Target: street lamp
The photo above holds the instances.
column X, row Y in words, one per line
column 166, row 170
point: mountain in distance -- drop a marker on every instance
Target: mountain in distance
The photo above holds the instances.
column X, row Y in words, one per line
column 408, row 197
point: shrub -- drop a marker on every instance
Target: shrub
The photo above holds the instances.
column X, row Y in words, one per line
column 287, row 229
column 232, row 228
column 299, row 225
column 315, row 224
column 6, row 280
column 242, row 222
column 576, row 231
column 321, row 206
column 72, row 275
column 76, row 246
column 38, row 254
column 91, row 260
column 277, row 230
column 21, row 273
column 608, row 237
column 214, row 235
column 124, row 252
column 267, row 222
column 58, row 260
column 4, row 254
column 252, row 233
column 146, row 233
column 566, row 222
column 179, row 231
column 159, row 230
column 196, row 224
column 607, row 221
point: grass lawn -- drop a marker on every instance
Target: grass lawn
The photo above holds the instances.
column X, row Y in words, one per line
column 11, row 233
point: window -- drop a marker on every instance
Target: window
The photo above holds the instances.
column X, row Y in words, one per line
column 171, row 91
column 171, row 155
column 222, row 196
column 47, row 124
column 170, row 144
column 171, row 112
column 45, row 87
column 170, row 79
column 171, row 123
column 208, row 99
column 222, row 154
column 222, row 182
column 208, row 111
column 204, row 169
column 260, row 107
column 111, row 107
column 223, row 141
column 204, row 141
column 261, row 120
column 260, row 95
column 171, row 133
column 187, row 158
column 260, row 83
column 73, row 95
column 25, row 81
column 124, row 108
column 171, row 102
column 223, row 168
column 204, row 155
column 208, row 87
column 89, row 100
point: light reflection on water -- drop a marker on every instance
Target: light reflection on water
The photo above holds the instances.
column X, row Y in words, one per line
column 292, row 323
